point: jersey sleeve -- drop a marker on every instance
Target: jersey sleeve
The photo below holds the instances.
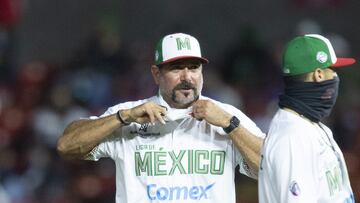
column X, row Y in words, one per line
column 112, row 145
column 293, row 168
column 107, row 147
column 243, row 165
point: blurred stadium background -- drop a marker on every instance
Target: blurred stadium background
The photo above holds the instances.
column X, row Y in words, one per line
column 62, row 60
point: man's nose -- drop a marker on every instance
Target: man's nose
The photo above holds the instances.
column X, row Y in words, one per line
column 185, row 74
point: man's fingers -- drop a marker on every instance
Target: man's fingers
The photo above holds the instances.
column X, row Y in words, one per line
column 158, row 112
column 198, row 117
column 199, row 110
column 163, row 111
column 163, row 108
column 198, row 113
column 159, row 117
column 142, row 120
column 150, row 112
column 151, row 115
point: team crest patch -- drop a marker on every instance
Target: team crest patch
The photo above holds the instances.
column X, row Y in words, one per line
column 321, row 56
column 294, row 188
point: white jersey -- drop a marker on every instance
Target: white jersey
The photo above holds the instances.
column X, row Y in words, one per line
column 301, row 162
column 3, row 196
column 185, row 160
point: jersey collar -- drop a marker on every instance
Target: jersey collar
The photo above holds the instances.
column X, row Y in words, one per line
column 174, row 113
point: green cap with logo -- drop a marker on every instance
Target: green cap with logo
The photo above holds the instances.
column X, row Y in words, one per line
column 306, row 53
column 177, row 46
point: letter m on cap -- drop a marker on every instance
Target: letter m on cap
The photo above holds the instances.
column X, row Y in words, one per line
column 183, row 44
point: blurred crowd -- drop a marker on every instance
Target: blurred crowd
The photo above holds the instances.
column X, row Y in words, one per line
column 39, row 98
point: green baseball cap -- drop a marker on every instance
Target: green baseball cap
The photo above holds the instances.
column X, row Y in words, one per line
column 305, row 53
column 177, row 46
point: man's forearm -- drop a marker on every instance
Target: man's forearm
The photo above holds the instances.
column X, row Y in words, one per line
column 249, row 146
column 81, row 136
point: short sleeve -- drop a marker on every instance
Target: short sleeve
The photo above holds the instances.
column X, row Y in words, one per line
column 293, row 168
column 112, row 146
column 243, row 165
column 106, row 148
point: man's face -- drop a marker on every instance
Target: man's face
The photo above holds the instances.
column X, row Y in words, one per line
column 180, row 82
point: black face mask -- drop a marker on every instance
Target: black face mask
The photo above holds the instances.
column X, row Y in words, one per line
column 314, row 100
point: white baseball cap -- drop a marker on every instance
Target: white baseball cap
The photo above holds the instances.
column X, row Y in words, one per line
column 177, row 46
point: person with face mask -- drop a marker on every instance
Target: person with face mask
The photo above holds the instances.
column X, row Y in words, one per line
column 300, row 160
column 177, row 146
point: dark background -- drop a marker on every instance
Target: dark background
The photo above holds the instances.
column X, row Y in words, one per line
column 62, row 60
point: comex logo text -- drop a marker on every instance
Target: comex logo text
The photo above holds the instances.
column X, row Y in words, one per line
column 178, row 192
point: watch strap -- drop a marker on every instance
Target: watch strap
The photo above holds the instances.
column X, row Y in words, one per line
column 234, row 123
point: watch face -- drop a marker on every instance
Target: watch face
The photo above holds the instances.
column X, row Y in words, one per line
column 234, row 123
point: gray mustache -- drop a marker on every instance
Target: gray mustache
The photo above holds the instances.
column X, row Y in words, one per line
column 184, row 85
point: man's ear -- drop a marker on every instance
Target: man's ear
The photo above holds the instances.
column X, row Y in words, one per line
column 155, row 73
column 319, row 75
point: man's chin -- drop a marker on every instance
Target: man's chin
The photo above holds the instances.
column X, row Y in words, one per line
column 184, row 98
column 185, row 101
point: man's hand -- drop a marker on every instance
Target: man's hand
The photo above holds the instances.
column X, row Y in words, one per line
column 213, row 114
column 148, row 112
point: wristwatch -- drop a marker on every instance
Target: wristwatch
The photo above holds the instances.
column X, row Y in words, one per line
column 234, row 123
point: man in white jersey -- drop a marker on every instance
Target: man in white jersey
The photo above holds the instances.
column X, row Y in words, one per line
column 300, row 160
column 177, row 146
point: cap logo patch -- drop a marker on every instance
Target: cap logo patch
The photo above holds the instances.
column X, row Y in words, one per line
column 294, row 188
column 183, row 44
column 156, row 55
column 321, row 56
